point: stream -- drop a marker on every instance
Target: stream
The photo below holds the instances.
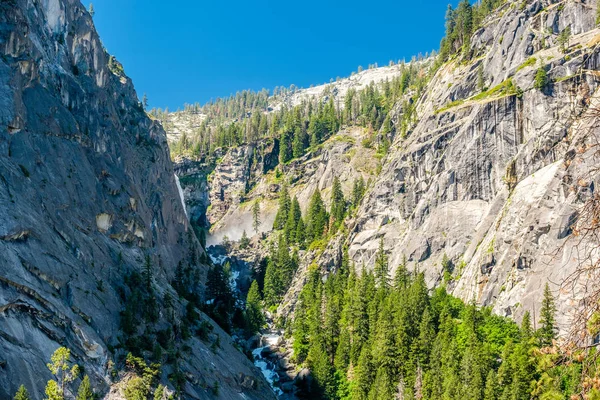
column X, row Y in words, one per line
column 265, row 363
column 273, row 364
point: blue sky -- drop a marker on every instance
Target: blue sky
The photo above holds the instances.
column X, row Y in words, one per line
column 186, row 51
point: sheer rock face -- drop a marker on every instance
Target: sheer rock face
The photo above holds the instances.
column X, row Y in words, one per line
column 87, row 190
column 492, row 182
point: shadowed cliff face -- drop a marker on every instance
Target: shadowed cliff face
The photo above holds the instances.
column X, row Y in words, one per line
column 87, row 191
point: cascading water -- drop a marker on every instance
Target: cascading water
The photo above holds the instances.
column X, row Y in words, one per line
column 267, row 366
column 181, row 194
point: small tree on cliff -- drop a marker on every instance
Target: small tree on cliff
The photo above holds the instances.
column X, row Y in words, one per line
column 541, row 78
column 85, row 391
column 256, row 215
column 64, row 372
column 22, row 394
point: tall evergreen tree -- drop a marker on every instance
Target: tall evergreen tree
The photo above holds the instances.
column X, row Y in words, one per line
column 338, row 203
column 256, row 215
column 358, row 191
column 254, row 316
column 294, row 217
column 317, row 218
column 284, row 208
column 381, row 266
column 547, row 331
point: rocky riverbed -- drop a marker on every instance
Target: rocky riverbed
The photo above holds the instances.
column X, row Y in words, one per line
column 272, row 356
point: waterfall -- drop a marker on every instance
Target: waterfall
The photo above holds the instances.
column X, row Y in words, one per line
column 180, row 194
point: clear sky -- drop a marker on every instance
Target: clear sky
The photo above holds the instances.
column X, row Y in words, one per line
column 187, row 51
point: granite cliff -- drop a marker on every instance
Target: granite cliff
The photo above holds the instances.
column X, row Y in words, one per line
column 88, row 197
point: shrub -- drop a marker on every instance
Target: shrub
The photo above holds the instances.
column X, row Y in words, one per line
column 541, row 78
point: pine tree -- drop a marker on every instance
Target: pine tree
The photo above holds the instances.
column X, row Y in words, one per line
column 300, row 233
column 526, row 330
column 338, row 203
column 144, row 99
column 85, row 391
column 402, row 276
column 299, row 143
column 272, row 284
column 316, row 218
column 358, row 191
column 284, row 208
column 91, row 10
column 381, row 266
column 294, row 216
column 256, row 215
column 254, row 317
column 364, row 375
column 53, row 391
column 480, row 78
column 244, row 240
column 61, row 367
column 148, row 273
column 547, row 331
column 22, row 394
column 491, row 387
column 285, row 147
column 563, row 39
column 159, row 393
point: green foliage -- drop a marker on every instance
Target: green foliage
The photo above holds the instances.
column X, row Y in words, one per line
column 506, row 88
column 85, row 391
column 22, row 394
column 547, row 331
column 480, row 78
column 317, row 218
column 53, row 391
column 159, row 393
column 541, row 79
column 244, row 240
column 281, row 267
column 460, row 25
column 564, row 38
column 221, row 300
column 381, row 266
column 136, row 389
column 338, row 204
column 284, row 208
column 529, row 63
column 64, row 371
column 388, row 339
column 358, row 191
column 256, row 215
column 254, row 316
column 115, row 66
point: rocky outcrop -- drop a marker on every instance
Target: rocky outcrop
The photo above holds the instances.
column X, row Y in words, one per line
column 236, row 173
column 487, row 180
column 87, row 191
column 342, row 155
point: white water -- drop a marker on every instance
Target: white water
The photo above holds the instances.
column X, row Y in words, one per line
column 266, row 367
column 218, row 260
column 181, row 194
